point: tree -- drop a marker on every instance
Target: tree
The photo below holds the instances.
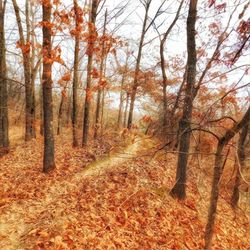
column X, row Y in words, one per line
column 241, row 154
column 163, row 63
column 4, row 122
column 41, row 109
column 138, row 61
column 209, row 63
column 90, row 51
column 124, row 70
column 24, row 45
column 100, row 88
column 179, row 189
column 218, row 169
column 145, row 28
column 75, row 76
column 60, row 111
column 48, row 157
column 126, row 109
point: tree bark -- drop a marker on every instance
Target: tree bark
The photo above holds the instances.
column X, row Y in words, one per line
column 103, row 101
column 240, row 164
column 60, row 114
column 91, row 43
column 76, row 76
column 4, row 122
column 29, row 89
column 179, row 189
column 98, row 101
column 33, row 70
column 178, row 97
column 164, row 85
column 35, row 65
column 218, row 169
column 176, row 106
column 119, row 120
column 41, row 109
column 69, row 107
column 126, row 110
column 102, row 111
column 48, row 158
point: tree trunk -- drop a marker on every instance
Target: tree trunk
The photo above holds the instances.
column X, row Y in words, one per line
column 69, row 107
column 103, row 102
column 29, row 14
column 175, row 107
column 91, row 43
column 4, row 122
column 137, row 67
column 164, row 83
column 41, row 109
column 98, row 101
column 179, row 189
column 126, row 110
column 119, row 121
column 102, row 112
column 29, row 89
column 48, row 158
column 60, row 113
column 241, row 163
column 177, row 100
column 218, row 169
column 76, row 76
column 163, row 65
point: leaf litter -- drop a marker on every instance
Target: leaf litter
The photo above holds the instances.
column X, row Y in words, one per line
column 116, row 202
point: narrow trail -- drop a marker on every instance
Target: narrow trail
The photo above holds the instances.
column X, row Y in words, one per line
column 13, row 223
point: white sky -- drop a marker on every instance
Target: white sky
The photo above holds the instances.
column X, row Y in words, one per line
column 132, row 18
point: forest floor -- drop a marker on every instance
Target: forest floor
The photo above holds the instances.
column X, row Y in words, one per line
column 95, row 200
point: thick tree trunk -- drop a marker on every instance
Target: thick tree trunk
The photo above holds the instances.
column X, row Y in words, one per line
column 218, row 169
column 240, row 164
column 100, row 88
column 29, row 89
column 75, row 77
column 91, row 43
column 179, row 189
column 48, row 158
column 137, row 67
column 4, row 122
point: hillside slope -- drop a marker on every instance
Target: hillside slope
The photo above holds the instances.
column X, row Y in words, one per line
column 120, row 202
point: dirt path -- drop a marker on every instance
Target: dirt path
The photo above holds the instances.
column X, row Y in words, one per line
column 13, row 223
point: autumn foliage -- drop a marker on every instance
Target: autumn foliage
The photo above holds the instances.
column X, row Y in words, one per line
column 120, row 131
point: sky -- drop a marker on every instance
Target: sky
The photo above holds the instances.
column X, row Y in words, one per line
column 132, row 19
